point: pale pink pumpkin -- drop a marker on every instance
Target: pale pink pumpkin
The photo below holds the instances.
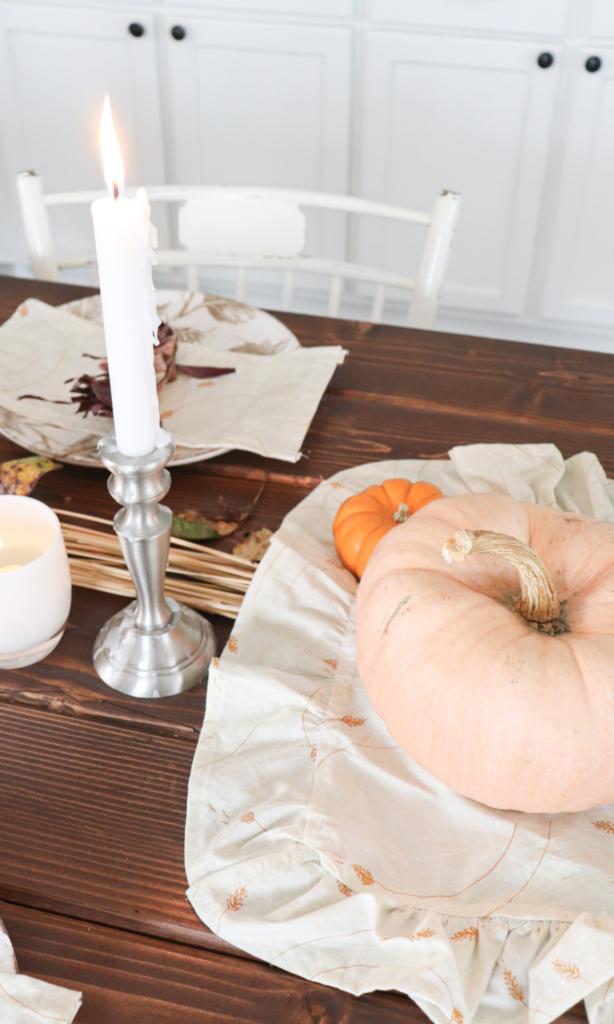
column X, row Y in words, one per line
column 496, row 707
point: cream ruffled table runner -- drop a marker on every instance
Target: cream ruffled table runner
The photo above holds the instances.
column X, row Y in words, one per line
column 25, row 1000
column 315, row 842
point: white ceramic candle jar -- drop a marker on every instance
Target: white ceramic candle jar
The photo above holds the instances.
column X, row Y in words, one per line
column 35, row 587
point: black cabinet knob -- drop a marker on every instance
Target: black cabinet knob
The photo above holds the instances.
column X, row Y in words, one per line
column 593, row 64
column 545, row 60
column 178, row 32
column 136, row 30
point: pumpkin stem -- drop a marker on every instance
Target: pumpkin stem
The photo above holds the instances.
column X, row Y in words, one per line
column 401, row 514
column 538, row 601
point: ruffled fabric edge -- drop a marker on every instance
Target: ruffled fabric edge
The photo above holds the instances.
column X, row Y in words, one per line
column 457, row 969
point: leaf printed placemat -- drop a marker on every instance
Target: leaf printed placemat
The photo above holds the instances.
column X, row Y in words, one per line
column 314, row 841
column 266, row 408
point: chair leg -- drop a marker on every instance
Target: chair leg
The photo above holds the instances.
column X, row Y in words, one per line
column 242, row 284
column 378, row 304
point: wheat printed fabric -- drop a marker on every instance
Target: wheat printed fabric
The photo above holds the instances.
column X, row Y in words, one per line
column 315, row 842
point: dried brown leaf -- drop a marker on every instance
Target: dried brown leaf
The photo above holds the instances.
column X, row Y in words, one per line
column 255, row 545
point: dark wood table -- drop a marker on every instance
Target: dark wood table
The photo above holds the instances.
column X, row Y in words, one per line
column 93, row 784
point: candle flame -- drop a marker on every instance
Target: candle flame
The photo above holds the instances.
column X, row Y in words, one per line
column 111, row 153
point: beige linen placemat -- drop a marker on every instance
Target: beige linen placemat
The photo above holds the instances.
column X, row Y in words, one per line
column 266, row 406
column 314, row 841
column 25, row 1000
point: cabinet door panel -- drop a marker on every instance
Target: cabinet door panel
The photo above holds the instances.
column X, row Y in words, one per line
column 312, row 8
column 55, row 68
column 523, row 16
column 468, row 115
column 602, row 18
column 255, row 104
column 580, row 282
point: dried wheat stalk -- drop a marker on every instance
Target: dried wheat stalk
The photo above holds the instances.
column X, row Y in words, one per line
column 204, row 578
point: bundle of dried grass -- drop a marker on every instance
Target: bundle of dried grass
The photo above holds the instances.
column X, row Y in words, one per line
column 204, row 578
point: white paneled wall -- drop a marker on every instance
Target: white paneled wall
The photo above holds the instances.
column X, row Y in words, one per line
column 389, row 99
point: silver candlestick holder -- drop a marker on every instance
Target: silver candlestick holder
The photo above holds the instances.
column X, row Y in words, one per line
column 155, row 647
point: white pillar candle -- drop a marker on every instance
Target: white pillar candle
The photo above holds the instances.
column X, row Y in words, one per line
column 35, row 587
column 125, row 240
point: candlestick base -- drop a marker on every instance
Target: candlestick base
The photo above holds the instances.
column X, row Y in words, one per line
column 158, row 662
column 155, row 647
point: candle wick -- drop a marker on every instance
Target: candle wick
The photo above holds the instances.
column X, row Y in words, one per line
column 115, row 190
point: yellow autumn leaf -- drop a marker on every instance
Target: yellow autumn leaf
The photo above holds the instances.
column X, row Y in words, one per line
column 20, row 476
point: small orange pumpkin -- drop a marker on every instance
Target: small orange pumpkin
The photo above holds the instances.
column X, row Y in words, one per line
column 365, row 518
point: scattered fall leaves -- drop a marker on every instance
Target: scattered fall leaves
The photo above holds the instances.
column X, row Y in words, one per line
column 255, row 546
column 192, row 524
column 20, row 476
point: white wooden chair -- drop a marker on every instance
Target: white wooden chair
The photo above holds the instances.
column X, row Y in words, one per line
column 258, row 227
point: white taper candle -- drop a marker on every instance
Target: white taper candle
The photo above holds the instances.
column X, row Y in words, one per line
column 125, row 242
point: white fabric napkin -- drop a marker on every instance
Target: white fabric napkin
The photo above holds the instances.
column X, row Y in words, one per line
column 25, row 1000
column 313, row 840
column 265, row 406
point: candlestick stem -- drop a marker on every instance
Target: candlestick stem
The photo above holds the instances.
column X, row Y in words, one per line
column 155, row 647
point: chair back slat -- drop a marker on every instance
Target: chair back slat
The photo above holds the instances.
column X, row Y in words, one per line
column 241, row 293
column 287, row 291
column 378, row 304
column 192, row 277
column 259, row 228
column 334, row 296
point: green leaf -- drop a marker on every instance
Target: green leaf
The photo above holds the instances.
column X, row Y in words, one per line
column 192, row 529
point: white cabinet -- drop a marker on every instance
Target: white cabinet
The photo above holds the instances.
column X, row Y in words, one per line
column 580, row 282
column 523, row 16
column 389, row 99
column 301, row 8
column 261, row 104
column 473, row 116
column 602, row 19
column 56, row 64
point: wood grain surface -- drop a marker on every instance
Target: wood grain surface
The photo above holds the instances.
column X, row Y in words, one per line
column 93, row 784
column 130, row 978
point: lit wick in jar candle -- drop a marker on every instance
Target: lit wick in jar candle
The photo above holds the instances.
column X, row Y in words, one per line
column 34, row 581
column 8, row 568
